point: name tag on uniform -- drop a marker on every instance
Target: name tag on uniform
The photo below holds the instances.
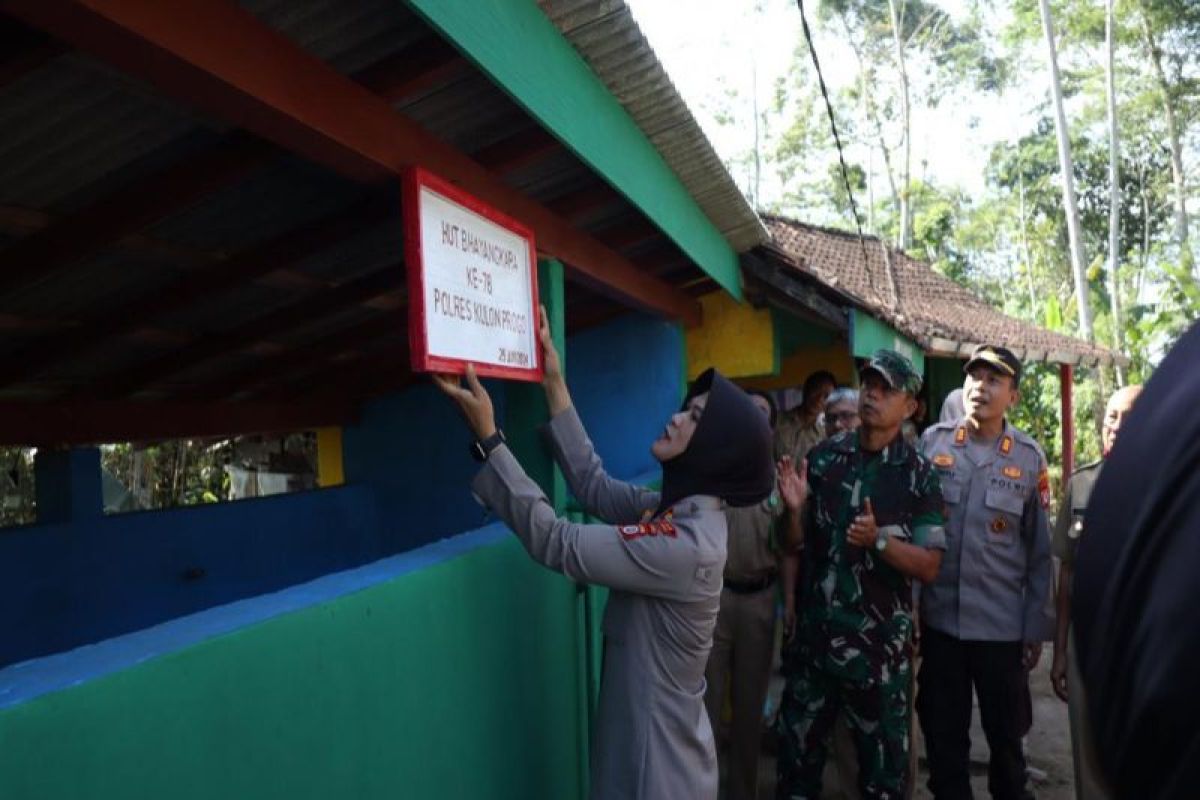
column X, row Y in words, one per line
column 660, row 528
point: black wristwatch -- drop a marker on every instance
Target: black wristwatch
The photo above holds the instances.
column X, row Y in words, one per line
column 482, row 448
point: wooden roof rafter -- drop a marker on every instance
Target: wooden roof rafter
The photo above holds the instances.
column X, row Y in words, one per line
column 219, row 57
column 266, row 371
column 415, row 69
column 81, row 234
column 357, row 373
column 519, row 150
column 170, row 189
column 192, row 287
column 311, row 309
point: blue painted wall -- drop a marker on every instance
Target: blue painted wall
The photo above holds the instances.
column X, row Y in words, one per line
column 407, row 471
column 412, row 450
column 66, row 585
column 626, row 380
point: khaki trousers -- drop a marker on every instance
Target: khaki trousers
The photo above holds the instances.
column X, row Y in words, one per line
column 743, row 645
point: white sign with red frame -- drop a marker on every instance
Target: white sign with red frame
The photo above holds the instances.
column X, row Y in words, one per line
column 472, row 283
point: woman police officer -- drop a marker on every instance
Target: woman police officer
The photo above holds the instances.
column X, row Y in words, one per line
column 662, row 555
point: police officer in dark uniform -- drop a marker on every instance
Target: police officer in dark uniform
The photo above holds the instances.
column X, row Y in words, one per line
column 1068, row 529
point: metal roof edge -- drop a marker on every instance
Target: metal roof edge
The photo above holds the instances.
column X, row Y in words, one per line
column 591, row 26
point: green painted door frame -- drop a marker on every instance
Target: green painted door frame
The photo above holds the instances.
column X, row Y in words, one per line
column 515, row 44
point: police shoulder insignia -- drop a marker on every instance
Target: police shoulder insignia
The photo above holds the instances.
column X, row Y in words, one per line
column 1013, row 472
column 998, row 525
column 943, row 460
column 1044, row 487
column 1006, row 445
column 660, row 528
column 960, row 436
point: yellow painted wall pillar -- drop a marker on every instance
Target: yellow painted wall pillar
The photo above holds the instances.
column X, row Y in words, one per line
column 330, row 471
column 736, row 338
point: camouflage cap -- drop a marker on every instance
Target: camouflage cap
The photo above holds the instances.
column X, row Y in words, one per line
column 896, row 369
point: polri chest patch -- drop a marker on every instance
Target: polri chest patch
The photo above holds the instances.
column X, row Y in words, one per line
column 1013, row 472
column 944, row 460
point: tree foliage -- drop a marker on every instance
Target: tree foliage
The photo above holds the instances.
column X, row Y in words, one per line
column 1009, row 242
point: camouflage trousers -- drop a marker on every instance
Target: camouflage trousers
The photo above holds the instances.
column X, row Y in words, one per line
column 878, row 713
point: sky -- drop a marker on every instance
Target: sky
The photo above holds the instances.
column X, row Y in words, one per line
column 709, row 43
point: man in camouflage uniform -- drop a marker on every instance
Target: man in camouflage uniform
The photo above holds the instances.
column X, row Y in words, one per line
column 872, row 522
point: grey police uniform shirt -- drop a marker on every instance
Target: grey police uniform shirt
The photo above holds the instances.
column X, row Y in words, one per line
column 995, row 580
column 653, row 738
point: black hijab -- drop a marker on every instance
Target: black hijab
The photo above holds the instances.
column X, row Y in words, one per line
column 1136, row 601
column 729, row 455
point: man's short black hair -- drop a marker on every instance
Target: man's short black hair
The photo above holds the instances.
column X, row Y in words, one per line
column 817, row 380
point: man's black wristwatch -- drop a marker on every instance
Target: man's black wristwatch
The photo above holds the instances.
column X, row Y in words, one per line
column 482, row 448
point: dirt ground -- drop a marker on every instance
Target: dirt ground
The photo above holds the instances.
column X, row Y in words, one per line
column 1048, row 746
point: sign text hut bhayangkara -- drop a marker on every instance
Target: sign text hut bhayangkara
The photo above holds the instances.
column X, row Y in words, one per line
column 472, row 282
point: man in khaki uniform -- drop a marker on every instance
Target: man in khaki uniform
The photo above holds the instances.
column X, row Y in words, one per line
column 1068, row 529
column 744, row 639
column 799, row 429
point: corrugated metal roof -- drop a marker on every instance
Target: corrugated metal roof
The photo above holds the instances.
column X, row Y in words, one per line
column 347, row 35
column 71, row 122
column 606, row 35
column 280, row 196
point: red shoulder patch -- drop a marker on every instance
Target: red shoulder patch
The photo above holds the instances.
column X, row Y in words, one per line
column 661, row 528
column 1044, row 487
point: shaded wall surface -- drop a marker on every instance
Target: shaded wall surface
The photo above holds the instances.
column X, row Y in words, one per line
column 449, row 672
column 412, row 451
column 626, row 378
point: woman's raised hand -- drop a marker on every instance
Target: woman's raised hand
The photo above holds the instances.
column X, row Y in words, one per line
column 472, row 399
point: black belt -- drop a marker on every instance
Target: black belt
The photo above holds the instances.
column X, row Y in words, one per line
column 751, row 586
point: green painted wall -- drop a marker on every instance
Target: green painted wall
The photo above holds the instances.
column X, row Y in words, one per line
column 526, row 410
column 868, row 334
column 461, row 680
column 522, row 51
column 942, row 375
